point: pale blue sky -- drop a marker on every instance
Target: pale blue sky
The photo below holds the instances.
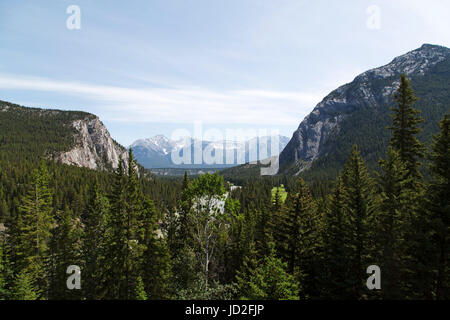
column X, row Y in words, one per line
column 151, row 67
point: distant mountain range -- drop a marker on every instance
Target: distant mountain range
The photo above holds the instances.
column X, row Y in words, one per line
column 156, row 152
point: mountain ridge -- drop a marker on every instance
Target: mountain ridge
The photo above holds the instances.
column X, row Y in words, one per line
column 156, row 152
column 70, row 137
column 370, row 93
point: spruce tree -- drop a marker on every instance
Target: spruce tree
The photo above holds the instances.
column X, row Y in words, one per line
column 134, row 225
column 24, row 287
column 393, row 224
column 140, row 290
column 124, row 231
column 247, row 271
column 405, row 121
column 359, row 204
column 35, row 222
column 65, row 248
column 335, row 243
column 93, row 242
column 6, row 272
column 156, row 258
column 438, row 211
column 271, row 281
column 301, row 241
column 116, row 242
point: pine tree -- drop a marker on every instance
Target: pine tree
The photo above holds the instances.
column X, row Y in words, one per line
column 140, row 290
column 247, row 271
column 6, row 272
column 393, row 223
column 438, row 211
column 301, row 241
column 271, row 281
column 156, row 265
column 336, row 249
column 404, row 128
column 134, row 225
column 116, row 242
column 124, row 230
column 65, row 248
column 35, row 223
column 277, row 202
column 359, row 204
column 24, row 287
column 93, row 242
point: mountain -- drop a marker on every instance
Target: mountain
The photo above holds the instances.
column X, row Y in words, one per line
column 359, row 113
column 70, row 137
column 156, row 152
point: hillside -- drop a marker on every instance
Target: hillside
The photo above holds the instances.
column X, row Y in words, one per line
column 359, row 113
column 70, row 137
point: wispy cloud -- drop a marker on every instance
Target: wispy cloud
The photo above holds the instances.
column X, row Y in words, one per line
column 179, row 104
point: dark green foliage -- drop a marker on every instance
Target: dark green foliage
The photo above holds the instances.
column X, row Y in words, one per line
column 65, row 248
column 394, row 223
column 33, row 232
column 359, row 205
column 269, row 280
column 437, row 208
column 138, row 237
column 404, row 128
column 6, row 271
column 335, row 237
column 367, row 127
column 299, row 239
column 24, row 287
column 94, row 220
column 30, row 133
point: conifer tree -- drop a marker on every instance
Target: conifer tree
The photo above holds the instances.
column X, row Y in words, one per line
column 35, row 222
column 301, row 240
column 393, row 223
column 438, row 211
column 156, row 258
column 24, row 287
column 124, row 230
column 405, row 121
column 247, row 271
column 116, row 242
column 93, row 242
column 140, row 291
column 335, row 237
column 134, row 225
column 271, row 281
column 6, row 272
column 65, row 248
column 359, row 204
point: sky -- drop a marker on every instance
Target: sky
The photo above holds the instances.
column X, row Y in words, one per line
column 156, row 66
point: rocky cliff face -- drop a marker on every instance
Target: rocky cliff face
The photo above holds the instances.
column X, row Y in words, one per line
column 94, row 148
column 371, row 89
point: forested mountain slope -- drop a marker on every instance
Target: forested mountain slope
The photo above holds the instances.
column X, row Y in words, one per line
column 71, row 137
column 359, row 112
